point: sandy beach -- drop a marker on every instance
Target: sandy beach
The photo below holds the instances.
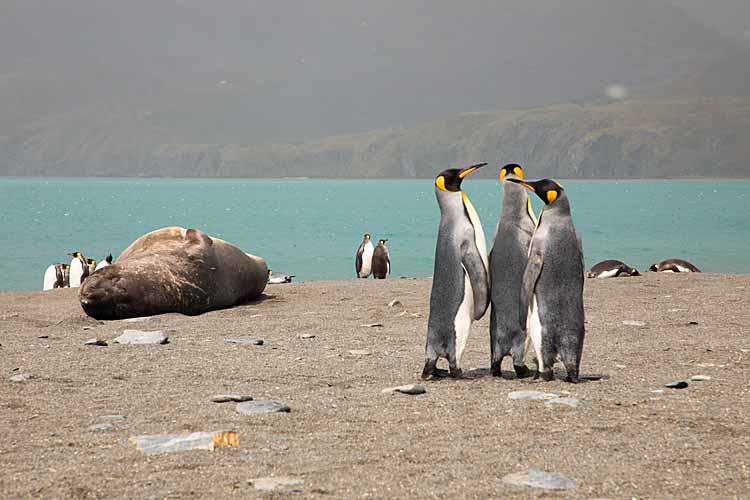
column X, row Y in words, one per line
column 629, row 436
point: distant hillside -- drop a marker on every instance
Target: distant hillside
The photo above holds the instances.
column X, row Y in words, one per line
column 641, row 137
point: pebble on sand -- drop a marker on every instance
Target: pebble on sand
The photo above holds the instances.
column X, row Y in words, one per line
column 359, row 352
column 97, row 342
column 106, row 426
column 245, row 341
column 395, row 303
column 307, row 336
column 262, row 406
column 275, row 483
column 677, row 384
column 629, row 322
column 700, row 378
column 406, row 389
column 169, row 443
column 230, row 398
column 21, row 377
column 534, row 395
column 142, row 337
column 537, row 478
column 372, row 325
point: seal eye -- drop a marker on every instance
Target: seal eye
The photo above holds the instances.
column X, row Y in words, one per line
column 551, row 196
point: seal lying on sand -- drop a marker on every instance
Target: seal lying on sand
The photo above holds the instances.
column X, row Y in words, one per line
column 173, row 270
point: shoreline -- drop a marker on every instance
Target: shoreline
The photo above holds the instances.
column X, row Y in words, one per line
column 343, row 438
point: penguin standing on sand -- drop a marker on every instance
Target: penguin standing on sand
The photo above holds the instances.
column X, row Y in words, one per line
column 552, row 289
column 106, row 262
column 363, row 261
column 92, row 265
column 381, row 261
column 56, row 276
column 460, row 284
column 79, row 269
column 508, row 258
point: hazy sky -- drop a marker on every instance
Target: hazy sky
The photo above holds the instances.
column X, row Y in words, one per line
column 729, row 17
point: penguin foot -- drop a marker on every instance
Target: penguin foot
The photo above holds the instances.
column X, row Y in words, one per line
column 573, row 379
column 430, row 369
column 456, row 373
column 547, row 375
column 495, row 369
column 522, row 371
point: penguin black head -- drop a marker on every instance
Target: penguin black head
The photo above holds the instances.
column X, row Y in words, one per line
column 75, row 254
column 511, row 168
column 547, row 189
column 382, row 242
column 367, row 236
column 108, row 258
column 91, row 262
column 450, row 180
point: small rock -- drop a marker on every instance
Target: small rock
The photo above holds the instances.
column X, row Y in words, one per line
column 406, row 389
column 372, row 325
column 227, row 398
column 620, row 366
column 21, row 377
column 136, row 320
column 262, row 406
column 359, row 352
column 537, row 478
column 700, row 378
column 106, row 426
column 168, row 443
column 245, row 341
column 142, row 337
column 112, row 417
column 633, row 323
column 394, row 303
column 307, row 336
column 87, row 328
column 401, row 314
column 535, row 395
column 95, row 341
column 43, row 337
column 658, row 391
column 692, row 322
column 678, row 384
column 572, row 402
column 275, row 483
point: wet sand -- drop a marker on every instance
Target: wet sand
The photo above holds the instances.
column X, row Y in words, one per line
column 344, row 438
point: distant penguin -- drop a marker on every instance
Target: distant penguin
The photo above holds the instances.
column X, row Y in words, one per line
column 56, row 276
column 91, row 264
column 552, row 290
column 674, row 266
column 106, row 262
column 381, row 261
column 460, row 284
column 279, row 278
column 363, row 260
column 79, row 269
column 510, row 250
column 611, row 269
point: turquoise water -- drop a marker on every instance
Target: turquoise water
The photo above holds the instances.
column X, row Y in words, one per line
column 312, row 228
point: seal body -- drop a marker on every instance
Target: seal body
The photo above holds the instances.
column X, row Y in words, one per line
column 510, row 250
column 381, row 261
column 674, row 266
column 460, row 283
column 173, row 270
column 611, row 269
column 363, row 259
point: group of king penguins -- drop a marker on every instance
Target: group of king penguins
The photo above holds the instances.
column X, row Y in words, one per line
column 71, row 275
column 532, row 278
column 372, row 259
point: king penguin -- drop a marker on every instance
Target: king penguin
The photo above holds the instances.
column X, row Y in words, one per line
column 552, row 288
column 106, row 262
column 363, row 261
column 56, row 276
column 381, row 261
column 92, row 265
column 79, row 269
column 460, row 284
column 510, row 250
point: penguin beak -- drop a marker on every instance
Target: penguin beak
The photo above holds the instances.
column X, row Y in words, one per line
column 468, row 170
column 518, row 181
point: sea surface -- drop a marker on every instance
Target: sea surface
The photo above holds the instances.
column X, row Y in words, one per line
column 312, row 228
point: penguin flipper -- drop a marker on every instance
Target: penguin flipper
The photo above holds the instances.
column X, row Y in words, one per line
column 358, row 262
column 479, row 277
column 530, row 277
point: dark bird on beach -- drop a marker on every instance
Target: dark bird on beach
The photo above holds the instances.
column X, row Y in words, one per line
column 381, row 261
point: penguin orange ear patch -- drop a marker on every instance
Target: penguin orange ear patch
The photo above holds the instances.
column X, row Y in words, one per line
column 502, row 174
column 518, row 172
column 551, row 196
column 440, row 183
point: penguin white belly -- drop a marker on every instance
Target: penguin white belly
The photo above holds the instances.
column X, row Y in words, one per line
column 76, row 272
column 366, row 261
column 102, row 264
column 534, row 328
column 608, row 274
column 683, row 269
column 668, row 271
column 462, row 323
column 50, row 278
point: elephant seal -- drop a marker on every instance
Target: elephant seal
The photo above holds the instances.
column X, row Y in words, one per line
column 173, row 269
